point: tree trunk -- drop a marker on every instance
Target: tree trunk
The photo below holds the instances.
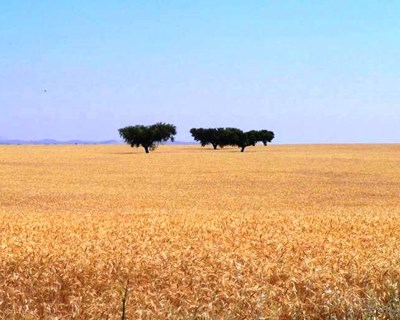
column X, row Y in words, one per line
column 265, row 143
column 242, row 150
column 146, row 149
column 215, row 146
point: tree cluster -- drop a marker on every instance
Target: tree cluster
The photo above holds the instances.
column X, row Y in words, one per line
column 149, row 137
column 221, row 137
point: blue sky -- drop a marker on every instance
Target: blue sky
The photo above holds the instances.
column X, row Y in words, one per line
column 312, row 71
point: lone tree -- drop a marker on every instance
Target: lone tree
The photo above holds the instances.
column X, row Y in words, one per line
column 148, row 137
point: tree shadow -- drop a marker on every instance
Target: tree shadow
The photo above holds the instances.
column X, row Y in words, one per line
column 184, row 150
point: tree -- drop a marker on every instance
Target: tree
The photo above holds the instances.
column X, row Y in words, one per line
column 207, row 136
column 242, row 139
column 226, row 136
column 148, row 137
column 265, row 136
column 201, row 135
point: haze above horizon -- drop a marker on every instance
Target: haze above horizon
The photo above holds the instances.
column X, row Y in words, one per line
column 312, row 72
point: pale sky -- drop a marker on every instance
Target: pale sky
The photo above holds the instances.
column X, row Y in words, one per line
column 311, row 71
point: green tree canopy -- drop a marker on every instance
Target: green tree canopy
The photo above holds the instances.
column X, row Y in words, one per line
column 242, row 139
column 148, row 137
column 220, row 137
column 265, row 136
column 208, row 136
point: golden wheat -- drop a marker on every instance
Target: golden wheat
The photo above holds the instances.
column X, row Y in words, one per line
column 282, row 232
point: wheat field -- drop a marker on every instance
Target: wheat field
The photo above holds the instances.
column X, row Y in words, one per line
column 277, row 232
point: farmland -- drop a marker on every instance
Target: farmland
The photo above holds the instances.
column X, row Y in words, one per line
column 277, row 232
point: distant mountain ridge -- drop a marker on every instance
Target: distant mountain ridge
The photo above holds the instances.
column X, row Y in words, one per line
column 52, row 141
column 58, row 142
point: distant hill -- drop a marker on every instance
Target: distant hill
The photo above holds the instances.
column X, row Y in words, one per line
column 58, row 142
column 179, row 143
column 52, row 141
